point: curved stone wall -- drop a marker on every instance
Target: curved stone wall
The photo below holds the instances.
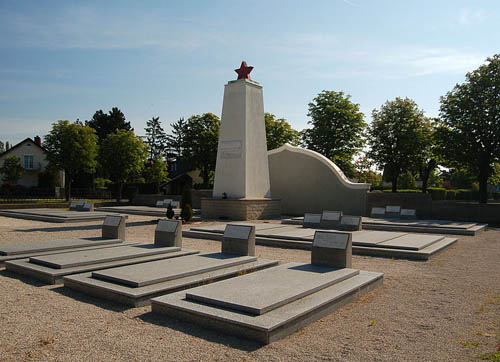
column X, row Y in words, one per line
column 307, row 181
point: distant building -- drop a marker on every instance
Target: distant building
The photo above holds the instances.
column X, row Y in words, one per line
column 32, row 156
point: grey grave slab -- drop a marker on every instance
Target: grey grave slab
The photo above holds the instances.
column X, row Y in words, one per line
column 87, row 257
column 292, row 233
column 53, row 245
column 140, row 296
column 275, row 324
column 370, row 238
column 164, row 270
column 331, row 219
column 265, row 290
column 351, row 223
column 411, row 241
column 51, row 275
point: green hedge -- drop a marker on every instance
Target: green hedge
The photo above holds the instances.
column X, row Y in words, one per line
column 496, row 195
column 437, row 193
column 467, row 195
column 450, row 194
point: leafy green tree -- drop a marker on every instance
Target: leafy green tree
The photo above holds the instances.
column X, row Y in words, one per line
column 428, row 159
column 155, row 172
column 364, row 173
column 71, row 147
column 494, row 178
column 196, row 141
column 176, row 140
column 337, row 128
column 123, row 156
column 11, row 169
column 279, row 132
column 470, row 123
column 397, row 138
column 407, row 181
column 105, row 124
column 155, row 138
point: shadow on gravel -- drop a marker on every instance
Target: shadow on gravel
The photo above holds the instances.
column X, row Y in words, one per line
column 104, row 304
column 24, row 278
column 200, row 332
column 84, row 227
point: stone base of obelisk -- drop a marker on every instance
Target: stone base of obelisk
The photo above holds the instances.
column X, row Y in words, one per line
column 241, row 209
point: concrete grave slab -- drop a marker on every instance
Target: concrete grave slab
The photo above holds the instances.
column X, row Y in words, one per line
column 233, row 309
column 161, row 271
column 52, row 268
column 260, row 292
column 411, row 242
column 25, row 250
column 186, row 278
column 53, row 215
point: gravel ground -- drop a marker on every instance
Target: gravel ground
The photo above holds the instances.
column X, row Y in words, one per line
column 446, row 309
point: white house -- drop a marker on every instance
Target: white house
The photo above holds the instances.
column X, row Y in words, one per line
column 32, row 156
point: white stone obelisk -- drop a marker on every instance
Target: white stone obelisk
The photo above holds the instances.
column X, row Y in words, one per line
column 242, row 169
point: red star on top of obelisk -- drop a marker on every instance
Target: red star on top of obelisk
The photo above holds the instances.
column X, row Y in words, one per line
column 244, row 71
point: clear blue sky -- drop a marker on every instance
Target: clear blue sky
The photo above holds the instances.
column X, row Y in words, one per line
column 67, row 59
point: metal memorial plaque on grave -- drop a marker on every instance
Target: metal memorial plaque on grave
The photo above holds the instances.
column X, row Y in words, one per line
column 350, row 223
column 231, row 149
column 112, row 221
column 168, row 233
column 159, row 203
column 332, row 249
column 393, row 209
column 331, row 215
column 237, row 231
column 167, row 226
column 239, row 240
column 332, row 240
column 378, row 211
column 113, row 227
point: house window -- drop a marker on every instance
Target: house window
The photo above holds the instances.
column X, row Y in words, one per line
column 28, row 162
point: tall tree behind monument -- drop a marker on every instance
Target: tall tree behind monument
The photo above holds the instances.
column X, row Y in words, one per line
column 470, row 123
column 337, row 130
column 279, row 132
column 398, row 138
column 105, row 124
column 71, row 147
column 156, row 139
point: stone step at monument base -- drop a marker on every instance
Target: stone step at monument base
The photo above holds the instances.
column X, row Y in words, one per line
column 135, row 285
column 387, row 244
column 412, row 226
column 54, row 215
column 26, row 250
column 52, row 268
column 270, row 304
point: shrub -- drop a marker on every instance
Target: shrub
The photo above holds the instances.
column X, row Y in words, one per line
column 467, row 194
column 496, row 195
column 170, row 212
column 450, row 194
column 437, row 193
column 187, row 212
column 186, row 196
